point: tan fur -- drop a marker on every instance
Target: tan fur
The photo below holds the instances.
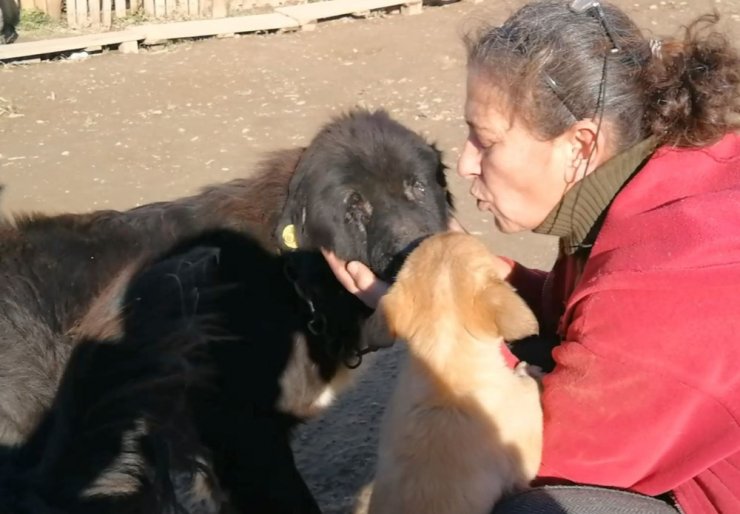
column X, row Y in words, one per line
column 254, row 204
column 103, row 319
column 462, row 428
column 317, row 394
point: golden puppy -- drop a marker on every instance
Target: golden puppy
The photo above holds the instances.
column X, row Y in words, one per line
column 462, row 428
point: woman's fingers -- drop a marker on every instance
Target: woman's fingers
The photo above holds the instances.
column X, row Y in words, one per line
column 370, row 288
column 357, row 278
column 339, row 268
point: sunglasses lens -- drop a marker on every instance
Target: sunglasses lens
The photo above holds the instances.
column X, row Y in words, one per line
column 581, row 6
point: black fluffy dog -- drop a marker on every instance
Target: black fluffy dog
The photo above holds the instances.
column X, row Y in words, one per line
column 185, row 371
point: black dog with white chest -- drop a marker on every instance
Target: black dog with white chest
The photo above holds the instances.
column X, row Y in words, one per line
column 186, row 371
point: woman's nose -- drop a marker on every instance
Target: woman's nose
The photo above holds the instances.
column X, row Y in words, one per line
column 468, row 165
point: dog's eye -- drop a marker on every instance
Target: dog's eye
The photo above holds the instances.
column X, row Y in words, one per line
column 358, row 210
column 414, row 189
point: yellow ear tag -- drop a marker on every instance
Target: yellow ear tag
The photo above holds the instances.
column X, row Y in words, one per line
column 289, row 237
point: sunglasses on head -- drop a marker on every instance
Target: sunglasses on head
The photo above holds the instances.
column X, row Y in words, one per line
column 594, row 8
column 582, row 6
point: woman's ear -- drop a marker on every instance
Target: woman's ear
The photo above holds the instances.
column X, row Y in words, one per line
column 586, row 148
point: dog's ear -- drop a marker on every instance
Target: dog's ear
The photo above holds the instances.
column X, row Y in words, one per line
column 291, row 222
column 441, row 178
column 290, row 226
column 498, row 309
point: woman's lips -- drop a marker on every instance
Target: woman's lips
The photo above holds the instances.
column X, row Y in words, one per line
column 481, row 204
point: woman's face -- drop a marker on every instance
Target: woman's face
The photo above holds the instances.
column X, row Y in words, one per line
column 515, row 176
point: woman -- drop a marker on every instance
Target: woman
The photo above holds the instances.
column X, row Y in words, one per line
column 626, row 149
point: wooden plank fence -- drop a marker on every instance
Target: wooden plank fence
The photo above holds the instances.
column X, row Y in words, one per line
column 101, row 14
column 296, row 17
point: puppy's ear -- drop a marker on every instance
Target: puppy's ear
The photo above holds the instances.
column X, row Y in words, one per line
column 441, row 178
column 291, row 222
column 498, row 309
column 290, row 227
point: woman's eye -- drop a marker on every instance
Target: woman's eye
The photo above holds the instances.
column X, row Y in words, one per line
column 479, row 143
column 486, row 144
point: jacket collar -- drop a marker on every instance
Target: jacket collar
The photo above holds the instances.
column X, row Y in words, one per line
column 577, row 217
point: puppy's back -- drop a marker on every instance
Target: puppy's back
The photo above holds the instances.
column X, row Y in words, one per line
column 462, row 428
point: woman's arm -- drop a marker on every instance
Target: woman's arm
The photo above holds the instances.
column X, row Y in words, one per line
column 644, row 394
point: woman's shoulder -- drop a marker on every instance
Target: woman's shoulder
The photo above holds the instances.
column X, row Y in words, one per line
column 680, row 211
column 724, row 151
column 672, row 174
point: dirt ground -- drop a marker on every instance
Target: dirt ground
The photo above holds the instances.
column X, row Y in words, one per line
column 115, row 131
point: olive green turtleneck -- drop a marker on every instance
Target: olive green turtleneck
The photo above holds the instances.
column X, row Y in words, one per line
column 577, row 217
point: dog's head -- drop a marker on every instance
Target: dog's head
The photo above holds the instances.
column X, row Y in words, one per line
column 451, row 279
column 367, row 188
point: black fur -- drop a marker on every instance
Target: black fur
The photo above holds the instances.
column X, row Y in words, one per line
column 10, row 15
column 113, row 439
column 393, row 197
column 201, row 340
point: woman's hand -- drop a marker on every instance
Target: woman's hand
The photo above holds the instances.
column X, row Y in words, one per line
column 361, row 282
column 357, row 279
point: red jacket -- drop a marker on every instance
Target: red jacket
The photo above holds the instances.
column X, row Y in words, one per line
column 645, row 394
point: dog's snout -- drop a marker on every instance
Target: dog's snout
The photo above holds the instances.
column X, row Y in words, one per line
column 399, row 256
column 399, row 232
